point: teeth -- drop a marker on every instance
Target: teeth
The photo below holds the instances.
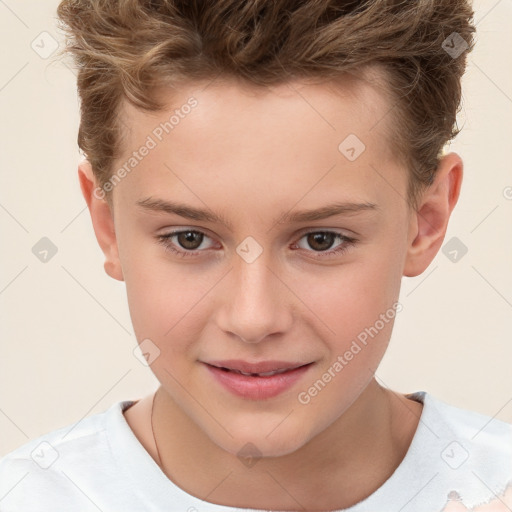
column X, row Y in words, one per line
column 265, row 374
column 273, row 373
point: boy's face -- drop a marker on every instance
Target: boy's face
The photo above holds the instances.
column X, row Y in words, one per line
column 259, row 288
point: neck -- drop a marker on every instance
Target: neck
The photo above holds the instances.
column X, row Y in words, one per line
column 370, row 439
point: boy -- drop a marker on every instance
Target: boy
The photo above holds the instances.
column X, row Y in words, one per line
column 261, row 175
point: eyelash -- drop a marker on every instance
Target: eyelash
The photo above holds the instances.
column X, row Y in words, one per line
column 339, row 250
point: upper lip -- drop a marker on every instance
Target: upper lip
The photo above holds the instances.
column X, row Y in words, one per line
column 258, row 367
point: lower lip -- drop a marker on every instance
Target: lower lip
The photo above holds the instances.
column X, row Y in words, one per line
column 258, row 388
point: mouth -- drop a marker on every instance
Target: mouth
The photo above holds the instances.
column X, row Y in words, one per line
column 261, row 369
column 257, row 381
column 262, row 374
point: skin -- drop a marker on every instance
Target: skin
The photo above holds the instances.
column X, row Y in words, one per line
column 251, row 155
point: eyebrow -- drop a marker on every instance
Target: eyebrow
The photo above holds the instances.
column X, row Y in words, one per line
column 189, row 212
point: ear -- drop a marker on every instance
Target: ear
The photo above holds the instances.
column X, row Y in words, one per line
column 102, row 219
column 428, row 224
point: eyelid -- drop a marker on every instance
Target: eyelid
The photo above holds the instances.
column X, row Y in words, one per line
column 340, row 231
column 179, row 229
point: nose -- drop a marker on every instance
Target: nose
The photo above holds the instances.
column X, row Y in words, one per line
column 255, row 302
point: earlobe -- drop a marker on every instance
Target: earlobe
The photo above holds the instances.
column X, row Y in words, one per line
column 102, row 220
column 429, row 223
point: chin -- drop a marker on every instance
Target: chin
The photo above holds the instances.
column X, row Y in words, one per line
column 255, row 442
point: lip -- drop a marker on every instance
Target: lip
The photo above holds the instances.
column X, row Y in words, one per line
column 258, row 367
column 257, row 387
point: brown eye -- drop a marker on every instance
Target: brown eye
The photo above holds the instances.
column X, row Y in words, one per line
column 321, row 240
column 184, row 243
column 322, row 244
column 190, row 240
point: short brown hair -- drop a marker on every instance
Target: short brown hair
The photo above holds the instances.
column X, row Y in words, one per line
column 126, row 49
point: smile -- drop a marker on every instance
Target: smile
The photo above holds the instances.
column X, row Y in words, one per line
column 257, row 385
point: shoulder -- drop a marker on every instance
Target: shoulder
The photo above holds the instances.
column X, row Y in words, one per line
column 473, row 450
column 476, row 430
column 455, row 454
column 39, row 475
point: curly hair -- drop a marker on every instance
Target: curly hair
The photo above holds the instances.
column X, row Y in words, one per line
column 129, row 49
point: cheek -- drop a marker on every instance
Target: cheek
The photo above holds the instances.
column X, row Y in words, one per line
column 164, row 299
column 353, row 307
column 357, row 307
column 346, row 299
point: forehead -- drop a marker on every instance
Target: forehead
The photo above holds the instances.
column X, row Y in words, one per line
column 256, row 138
column 340, row 106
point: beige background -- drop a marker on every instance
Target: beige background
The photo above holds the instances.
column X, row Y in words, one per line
column 66, row 337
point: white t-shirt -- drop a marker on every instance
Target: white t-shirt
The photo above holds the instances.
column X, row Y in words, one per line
column 98, row 464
